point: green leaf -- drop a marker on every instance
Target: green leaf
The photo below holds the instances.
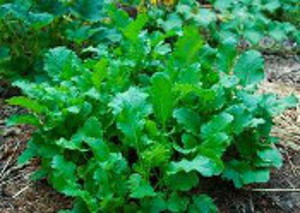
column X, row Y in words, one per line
column 28, row 154
column 204, row 165
column 64, row 178
column 241, row 173
column 188, row 118
column 269, row 157
column 242, row 118
column 4, row 53
column 249, row 68
column 222, row 4
column 275, row 106
column 28, row 103
column 91, row 129
column 156, row 155
column 134, row 28
column 139, row 188
column 205, row 17
column 155, row 205
column 202, row 204
column 187, row 47
column 23, row 119
column 215, row 143
column 69, row 144
column 226, row 55
column 182, row 181
column 100, row 73
column 119, row 17
column 61, row 63
column 80, row 33
column 218, row 123
column 130, row 108
column 99, row 148
column 162, row 96
column 91, row 10
column 177, row 203
column 39, row 20
column 272, row 6
column 173, row 22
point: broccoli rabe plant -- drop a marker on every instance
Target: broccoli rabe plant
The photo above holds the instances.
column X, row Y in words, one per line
column 136, row 128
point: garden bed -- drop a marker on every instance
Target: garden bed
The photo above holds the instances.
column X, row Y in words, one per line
column 281, row 194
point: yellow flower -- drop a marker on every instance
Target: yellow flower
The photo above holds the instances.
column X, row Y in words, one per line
column 155, row 2
column 169, row 2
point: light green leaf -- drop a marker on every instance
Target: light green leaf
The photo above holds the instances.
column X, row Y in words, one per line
column 100, row 73
column 162, row 97
column 156, row 155
column 188, row 46
column 23, row 119
column 134, row 28
column 69, row 144
column 27, row 103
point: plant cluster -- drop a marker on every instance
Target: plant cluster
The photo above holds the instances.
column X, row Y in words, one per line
column 135, row 111
column 30, row 27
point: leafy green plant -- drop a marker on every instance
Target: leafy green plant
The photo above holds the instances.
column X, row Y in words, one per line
column 255, row 23
column 138, row 126
column 30, row 27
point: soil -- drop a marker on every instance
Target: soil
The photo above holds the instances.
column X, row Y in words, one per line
column 19, row 194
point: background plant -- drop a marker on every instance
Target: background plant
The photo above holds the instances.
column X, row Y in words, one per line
column 29, row 28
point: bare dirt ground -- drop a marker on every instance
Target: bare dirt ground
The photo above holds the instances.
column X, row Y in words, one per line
column 18, row 194
column 281, row 194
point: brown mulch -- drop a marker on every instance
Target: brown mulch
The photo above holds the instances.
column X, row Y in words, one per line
column 19, row 194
